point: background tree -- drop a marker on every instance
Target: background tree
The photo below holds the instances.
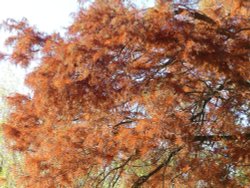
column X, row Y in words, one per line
column 153, row 98
column 10, row 82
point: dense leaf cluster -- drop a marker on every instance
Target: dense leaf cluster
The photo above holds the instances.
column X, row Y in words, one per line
column 132, row 98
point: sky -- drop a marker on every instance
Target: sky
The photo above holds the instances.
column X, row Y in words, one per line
column 48, row 16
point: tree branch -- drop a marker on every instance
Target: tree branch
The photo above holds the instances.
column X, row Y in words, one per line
column 218, row 137
column 141, row 180
column 195, row 14
column 114, row 169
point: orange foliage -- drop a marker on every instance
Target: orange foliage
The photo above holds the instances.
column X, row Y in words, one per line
column 134, row 97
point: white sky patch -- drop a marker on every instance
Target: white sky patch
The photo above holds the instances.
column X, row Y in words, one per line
column 144, row 3
column 11, row 78
column 47, row 15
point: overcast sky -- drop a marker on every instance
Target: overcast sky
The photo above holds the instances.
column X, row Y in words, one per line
column 48, row 16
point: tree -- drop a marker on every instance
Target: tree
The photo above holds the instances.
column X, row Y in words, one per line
column 153, row 98
column 10, row 82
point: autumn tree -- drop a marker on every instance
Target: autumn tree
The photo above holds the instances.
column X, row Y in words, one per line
column 135, row 98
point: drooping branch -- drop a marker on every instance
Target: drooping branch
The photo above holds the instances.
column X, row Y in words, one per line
column 141, row 180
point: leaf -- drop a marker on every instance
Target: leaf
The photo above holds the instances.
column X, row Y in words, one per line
column 170, row 100
column 185, row 168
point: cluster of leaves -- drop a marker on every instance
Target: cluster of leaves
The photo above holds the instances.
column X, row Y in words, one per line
column 135, row 98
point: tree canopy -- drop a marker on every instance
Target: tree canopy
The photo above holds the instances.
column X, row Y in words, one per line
column 157, row 97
